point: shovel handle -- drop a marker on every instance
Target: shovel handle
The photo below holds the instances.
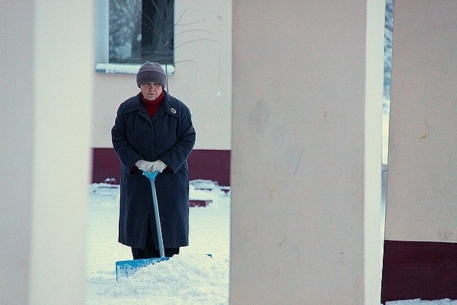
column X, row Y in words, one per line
column 152, row 176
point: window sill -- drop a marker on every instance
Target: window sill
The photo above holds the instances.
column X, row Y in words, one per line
column 109, row 68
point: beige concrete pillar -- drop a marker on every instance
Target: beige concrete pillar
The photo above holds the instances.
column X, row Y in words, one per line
column 306, row 152
column 45, row 92
column 422, row 176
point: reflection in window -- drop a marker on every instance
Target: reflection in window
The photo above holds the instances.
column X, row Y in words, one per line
column 141, row 30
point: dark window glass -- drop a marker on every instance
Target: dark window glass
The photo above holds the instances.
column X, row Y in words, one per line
column 141, row 30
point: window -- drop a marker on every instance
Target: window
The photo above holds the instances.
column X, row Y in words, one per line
column 130, row 32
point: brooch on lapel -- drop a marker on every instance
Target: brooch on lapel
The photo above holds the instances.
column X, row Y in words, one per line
column 173, row 110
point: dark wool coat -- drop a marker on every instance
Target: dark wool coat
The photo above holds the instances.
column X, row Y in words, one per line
column 169, row 136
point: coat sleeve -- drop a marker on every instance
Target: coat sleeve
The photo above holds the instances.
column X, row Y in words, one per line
column 175, row 157
column 126, row 154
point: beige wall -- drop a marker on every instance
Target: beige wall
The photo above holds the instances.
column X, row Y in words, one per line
column 46, row 86
column 306, row 152
column 202, row 78
column 422, row 176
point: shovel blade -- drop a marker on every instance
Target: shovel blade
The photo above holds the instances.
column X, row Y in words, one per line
column 129, row 267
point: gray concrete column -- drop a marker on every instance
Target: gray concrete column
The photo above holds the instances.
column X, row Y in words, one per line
column 306, row 152
column 422, row 176
column 45, row 124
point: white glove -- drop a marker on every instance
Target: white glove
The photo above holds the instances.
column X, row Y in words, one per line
column 143, row 165
column 158, row 166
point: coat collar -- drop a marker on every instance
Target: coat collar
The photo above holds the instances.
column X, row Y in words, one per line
column 169, row 105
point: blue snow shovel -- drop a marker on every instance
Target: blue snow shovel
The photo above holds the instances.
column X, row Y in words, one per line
column 129, row 267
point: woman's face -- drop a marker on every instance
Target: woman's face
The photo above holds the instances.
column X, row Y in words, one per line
column 151, row 91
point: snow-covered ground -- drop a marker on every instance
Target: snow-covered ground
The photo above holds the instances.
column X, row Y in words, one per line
column 190, row 278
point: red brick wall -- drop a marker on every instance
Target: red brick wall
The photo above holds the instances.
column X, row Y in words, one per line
column 203, row 164
column 412, row 270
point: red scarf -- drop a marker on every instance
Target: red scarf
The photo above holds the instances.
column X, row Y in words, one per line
column 152, row 106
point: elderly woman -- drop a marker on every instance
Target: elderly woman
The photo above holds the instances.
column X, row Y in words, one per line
column 152, row 132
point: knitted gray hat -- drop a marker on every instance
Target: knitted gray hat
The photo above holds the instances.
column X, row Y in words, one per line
column 151, row 72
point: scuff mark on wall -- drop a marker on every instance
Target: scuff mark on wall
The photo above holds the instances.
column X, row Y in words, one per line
column 428, row 131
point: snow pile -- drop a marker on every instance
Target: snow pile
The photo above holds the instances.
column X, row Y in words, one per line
column 183, row 279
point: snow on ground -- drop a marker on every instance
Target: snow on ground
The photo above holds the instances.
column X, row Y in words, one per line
column 190, row 278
